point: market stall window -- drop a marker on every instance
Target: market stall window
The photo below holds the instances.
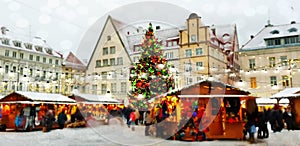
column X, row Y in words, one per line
column 232, row 106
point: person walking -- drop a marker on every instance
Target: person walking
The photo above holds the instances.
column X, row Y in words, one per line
column 49, row 118
column 131, row 121
column 62, row 118
column 148, row 122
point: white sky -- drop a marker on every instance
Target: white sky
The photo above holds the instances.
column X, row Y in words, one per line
column 63, row 23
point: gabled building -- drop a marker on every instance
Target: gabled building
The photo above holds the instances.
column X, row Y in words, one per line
column 28, row 66
column 207, row 52
column 73, row 75
column 108, row 67
column 270, row 59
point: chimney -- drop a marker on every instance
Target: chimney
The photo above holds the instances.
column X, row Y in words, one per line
column 4, row 30
column 157, row 27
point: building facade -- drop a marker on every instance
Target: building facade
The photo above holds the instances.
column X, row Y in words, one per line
column 28, row 66
column 270, row 60
column 73, row 75
column 207, row 52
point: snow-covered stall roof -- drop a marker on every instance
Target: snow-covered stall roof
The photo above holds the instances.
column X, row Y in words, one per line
column 96, row 98
column 266, row 100
column 42, row 97
column 288, row 92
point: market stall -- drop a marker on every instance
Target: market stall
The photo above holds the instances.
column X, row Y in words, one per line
column 31, row 106
column 97, row 107
column 213, row 108
column 268, row 103
column 292, row 94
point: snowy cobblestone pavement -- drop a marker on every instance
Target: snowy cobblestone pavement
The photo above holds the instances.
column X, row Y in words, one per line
column 117, row 134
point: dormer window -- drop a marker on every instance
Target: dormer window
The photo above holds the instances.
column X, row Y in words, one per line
column 108, row 38
column 17, row 43
column 137, row 48
column 5, row 41
column 39, row 48
column 293, row 29
column 28, row 46
column 49, row 51
column 274, row 32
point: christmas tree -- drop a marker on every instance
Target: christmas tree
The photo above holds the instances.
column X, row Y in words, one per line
column 150, row 76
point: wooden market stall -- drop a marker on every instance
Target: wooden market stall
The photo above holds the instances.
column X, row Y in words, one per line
column 33, row 106
column 221, row 108
column 265, row 103
column 293, row 95
column 98, row 107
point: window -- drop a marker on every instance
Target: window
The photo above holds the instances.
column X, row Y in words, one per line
column 105, row 62
column 283, row 60
column 169, row 55
column 6, row 69
column 291, row 40
column 273, row 80
column 123, row 87
column 6, row 53
column 293, row 29
column 39, row 48
column 189, row 81
column 5, row 41
column 253, row 82
column 277, row 42
column 188, row 67
column 56, row 62
column 49, row 50
column 135, row 58
column 252, row 63
column 137, row 48
column 30, row 72
column 274, row 32
column 50, row 60
column 94, row 89
column 103, row 88
column 37, row 58
column 272, row 61
column 120, row 60
column 28, row 46
column 199, row 65
column 21, row 55
column 105, row 51
column 169, row 44
column 188, row 53
column 112, row 50
column 17, row 44
column 113, row 87
column 98, row 63
column 14, row 54
column 193, row 38
column 14, row 69
column 104, row 75
column 199, row 51
column 112, row 61
column 108, row 38
column 44, row 60
column 30, row 57
column 285, row 81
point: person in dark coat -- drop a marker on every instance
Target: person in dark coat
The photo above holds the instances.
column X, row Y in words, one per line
column 289, row 119
column 62, row 118
column 49, row 118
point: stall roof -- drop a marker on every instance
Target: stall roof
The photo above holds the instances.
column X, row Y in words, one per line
column 286, row 93
column 40, row 97
column 96, row 98
column 266, row 100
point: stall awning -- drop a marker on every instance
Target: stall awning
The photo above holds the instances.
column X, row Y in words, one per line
column 93, row 98
column 36, row 97
column 288, row 92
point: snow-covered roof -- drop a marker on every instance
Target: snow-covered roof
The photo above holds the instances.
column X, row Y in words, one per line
column 288, row 92
column 268, row 32
column 44, row 97
column 36, row 42
column 96, row 98
column 266, row 100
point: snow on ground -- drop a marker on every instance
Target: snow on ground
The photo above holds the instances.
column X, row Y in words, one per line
column 117, row 134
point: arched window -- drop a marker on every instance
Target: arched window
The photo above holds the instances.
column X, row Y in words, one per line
column 274, row 32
